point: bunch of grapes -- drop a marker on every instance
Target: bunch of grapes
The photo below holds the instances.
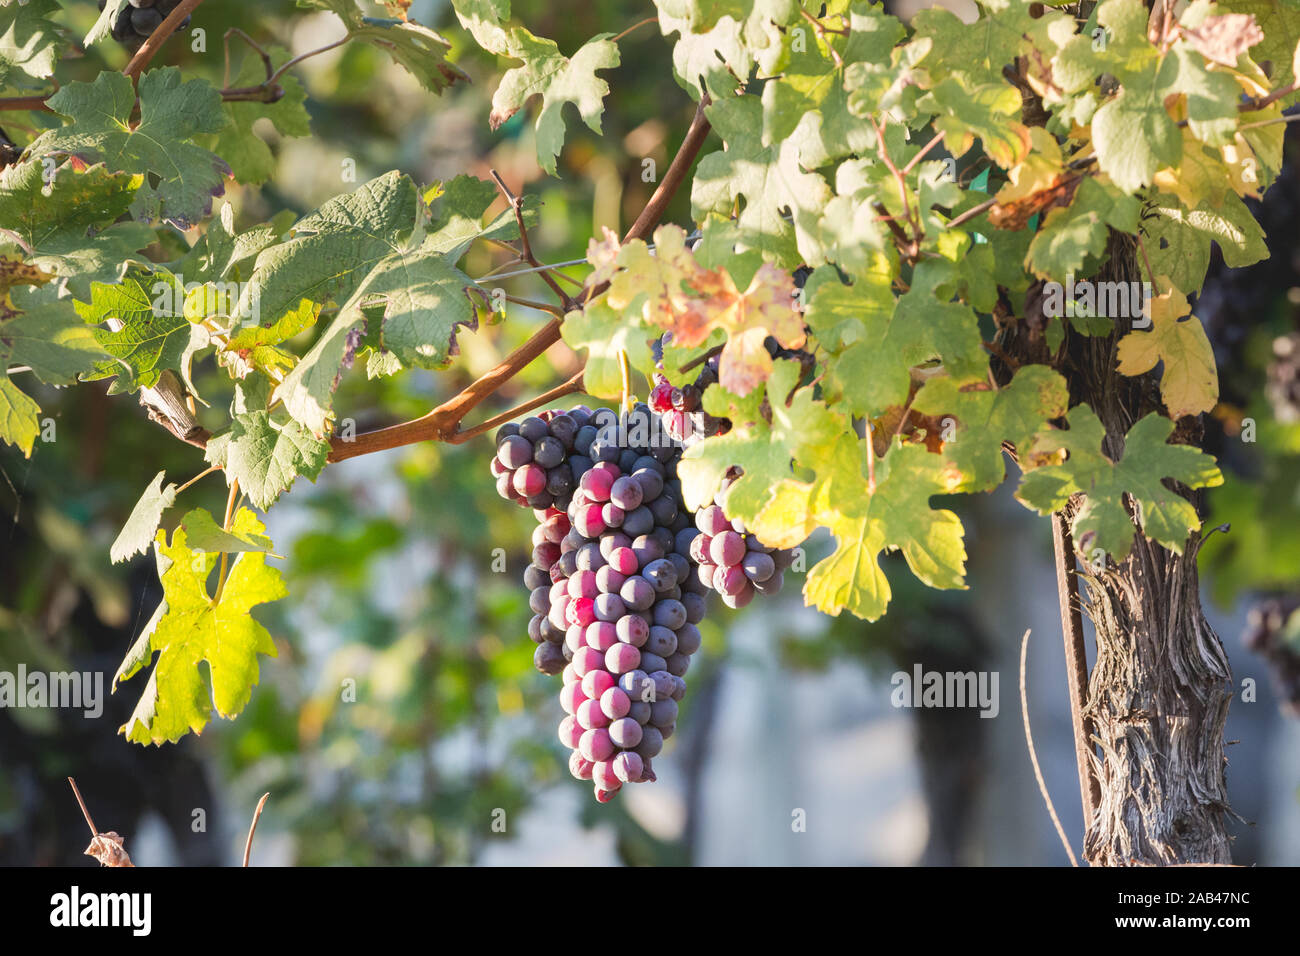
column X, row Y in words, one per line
column 630, row 605
column 139, row 19
column 1266, row 635
column 621, row 570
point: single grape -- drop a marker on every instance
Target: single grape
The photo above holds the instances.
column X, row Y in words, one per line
column 632, row 630
column 515, row 451
column 548, row 658
column 626, row 732
column 661, row 641
column 628, row 766
column 533, row 429
column 670, row 614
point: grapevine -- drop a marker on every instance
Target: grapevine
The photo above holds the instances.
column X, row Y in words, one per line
column 886, row 261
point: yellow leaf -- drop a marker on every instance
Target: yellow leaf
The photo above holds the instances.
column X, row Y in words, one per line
column 1189, row 384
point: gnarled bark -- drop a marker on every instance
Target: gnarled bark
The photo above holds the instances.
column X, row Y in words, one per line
column 1158, row 693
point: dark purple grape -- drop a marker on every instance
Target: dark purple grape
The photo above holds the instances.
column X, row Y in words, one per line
column 533, row 429
column 548, row 452
column 670, row 614
column 638, row 522
column 661, row 641
column 548, row 658
column 515, row 451
column 688, row 637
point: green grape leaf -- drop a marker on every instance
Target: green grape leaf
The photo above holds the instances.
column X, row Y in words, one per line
column 151, row 339
column 1103, row 521
column 138, row 532
column 171, row 114
column 1134, row 135
column 809, row 101
column 800, row 428
column 69, row 223
column 417, row 49
column 977, row 52
column 1211, row 96
column 895, row 515
column 250, row 158
column 985, row 417
column 1178, row 239
column 769, row 179
column 604, row 333
column 715, row 61
column 1070, row 234
column 20, row 423
column 872, row 373
column 202, row 533
column 29, row 39
column 362, row 250
column 266, row 454
column 197, row 626
column 52, row 340
column 989, row 112
column 558, row 80
column 545, row 72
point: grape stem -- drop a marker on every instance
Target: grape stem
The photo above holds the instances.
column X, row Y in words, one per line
column 526, row 250
column 701, row 359
column 257, row 815
column 160, row 36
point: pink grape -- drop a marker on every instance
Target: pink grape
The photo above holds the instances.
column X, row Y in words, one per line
column 587, row 659
column 571, row 696
column 727, row 549
column 590, row 717
column 604, row 796
column 584, row 609
column 530, row 480
column 596, row 483
column 583, row 585
column 570, row 732
column 623, row 560
column 596, row 745
column 580, row 766
column 622, row 658
column 603, row 776
column 628, row 766
column 712, row 521
column 730, row 581
column 595, row 683
column 601, row 635
column 742, row 596
column 615, row 703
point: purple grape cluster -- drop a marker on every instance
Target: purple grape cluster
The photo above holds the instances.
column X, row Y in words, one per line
column 137, row 21
column 731, row 561
column 619, row 577
column 631, row 606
